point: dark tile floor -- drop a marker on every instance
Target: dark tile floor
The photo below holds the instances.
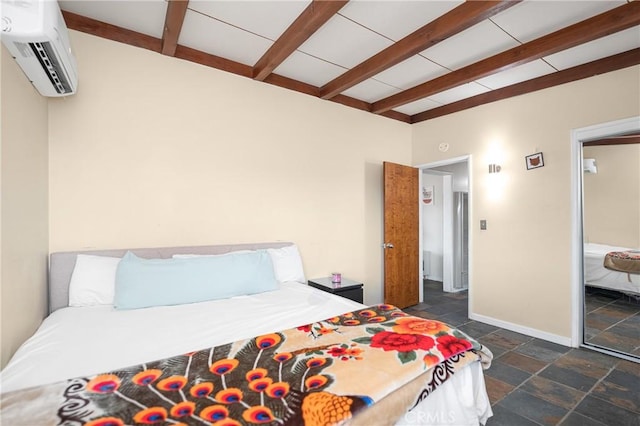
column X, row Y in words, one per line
column 535, row 382
column 613, row 320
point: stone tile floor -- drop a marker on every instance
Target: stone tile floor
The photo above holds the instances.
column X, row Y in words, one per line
column 535, row 382
column 613, row 320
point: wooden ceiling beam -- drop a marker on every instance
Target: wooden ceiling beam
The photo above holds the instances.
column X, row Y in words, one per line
column 111, row 32
column 456, row 20
column 298, row 86
column 176, row 9
column 590, row 69
column 213, row 61
column 607, row 23
column 115, row 33
column 317, row 13
column 615, row 140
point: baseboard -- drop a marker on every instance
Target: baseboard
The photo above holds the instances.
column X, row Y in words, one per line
column 539, row 334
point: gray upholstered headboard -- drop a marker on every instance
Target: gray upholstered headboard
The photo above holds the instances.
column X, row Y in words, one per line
column 61, row 264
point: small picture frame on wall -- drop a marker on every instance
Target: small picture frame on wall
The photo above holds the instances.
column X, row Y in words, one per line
column 427, row 195
column 534, row 161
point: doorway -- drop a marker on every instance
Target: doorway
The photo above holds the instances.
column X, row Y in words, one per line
column 444, row 222
column 606, row 221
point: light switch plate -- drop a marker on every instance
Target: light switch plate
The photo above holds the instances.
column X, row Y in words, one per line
column 483, row 225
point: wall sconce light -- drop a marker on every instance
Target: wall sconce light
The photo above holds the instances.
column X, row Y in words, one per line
column 494, row 168
column 590, row 165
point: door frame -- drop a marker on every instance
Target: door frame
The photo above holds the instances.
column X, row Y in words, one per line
column 578, row 136
column 449, row 253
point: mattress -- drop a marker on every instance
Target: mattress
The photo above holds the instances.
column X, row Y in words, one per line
column 596, row 275
column 84, row 341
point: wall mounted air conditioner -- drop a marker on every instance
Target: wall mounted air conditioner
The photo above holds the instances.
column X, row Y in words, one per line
column 36, row 35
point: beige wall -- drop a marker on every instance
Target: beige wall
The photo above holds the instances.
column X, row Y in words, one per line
column 24, row 211
column 612, row 196
column 521, row 265
column 155, row 151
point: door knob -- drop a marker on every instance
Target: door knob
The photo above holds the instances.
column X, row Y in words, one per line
column 387, row 245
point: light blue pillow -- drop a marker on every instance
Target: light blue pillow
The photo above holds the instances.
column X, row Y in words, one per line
column 142, row 283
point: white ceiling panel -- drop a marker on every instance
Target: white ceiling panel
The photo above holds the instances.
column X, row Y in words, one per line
column 411, row 72
column 308, row 69
column 371, row 90
column 458, row 93
column 217, row 38
column 417, row 106
column 125, row 14
column 243, row 30
column 517, row 74
column 597, row 49
column 396, row 19
column 344, row 42
column 480, row 41
column 266, row 18
column 532, row 19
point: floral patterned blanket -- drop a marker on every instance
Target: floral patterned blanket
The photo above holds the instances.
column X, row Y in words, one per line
column 321, row 373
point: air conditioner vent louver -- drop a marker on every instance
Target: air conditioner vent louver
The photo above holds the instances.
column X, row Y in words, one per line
column 52, row 67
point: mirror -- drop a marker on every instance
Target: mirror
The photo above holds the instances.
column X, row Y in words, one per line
column 611, row 235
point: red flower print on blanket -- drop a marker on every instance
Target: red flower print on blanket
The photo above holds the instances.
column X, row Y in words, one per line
column 390, row 341
column 451, row 345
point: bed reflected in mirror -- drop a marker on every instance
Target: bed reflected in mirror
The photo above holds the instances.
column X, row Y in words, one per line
column 611, row 233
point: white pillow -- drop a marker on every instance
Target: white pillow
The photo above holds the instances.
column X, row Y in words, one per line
column 287, row 264
column 93, row 280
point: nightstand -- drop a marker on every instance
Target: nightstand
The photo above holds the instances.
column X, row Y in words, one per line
column 347, row 288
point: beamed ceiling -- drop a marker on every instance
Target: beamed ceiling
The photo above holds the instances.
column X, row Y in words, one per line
column 406, row 60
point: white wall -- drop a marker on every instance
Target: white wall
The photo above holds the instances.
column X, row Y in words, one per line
column 459, row 173
column 521, row 269
column 24, row 207
column 433, row 216
column 156, row 151
column 432, row 226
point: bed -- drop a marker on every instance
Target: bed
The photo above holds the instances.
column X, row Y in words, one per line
column 596, row 274
column 287, row 355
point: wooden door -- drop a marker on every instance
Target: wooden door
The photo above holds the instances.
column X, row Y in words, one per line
column 401, row 259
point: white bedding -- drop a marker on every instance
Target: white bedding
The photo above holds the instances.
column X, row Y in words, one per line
column 84, row 341
column 596, row 275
